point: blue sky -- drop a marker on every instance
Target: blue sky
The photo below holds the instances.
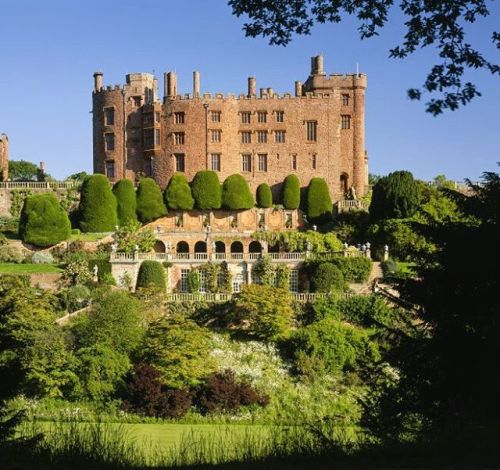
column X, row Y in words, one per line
column 50, row 49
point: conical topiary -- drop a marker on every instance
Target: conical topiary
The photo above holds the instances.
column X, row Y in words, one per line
column 236, row 194
column 178, row 193
column 150, row 204
column 124, row 192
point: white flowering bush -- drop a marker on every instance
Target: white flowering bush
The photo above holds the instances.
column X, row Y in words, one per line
column 42, row 257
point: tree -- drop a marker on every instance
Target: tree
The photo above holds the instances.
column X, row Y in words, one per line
column 291, row 192
column 78, row 177
column 21, row 170
column 327, row 278
column 206, row 190
column 264, row 196
column 150, row 204
column 179, row 349
column 97, row 210
column 236, row 194
column 178, row 193
column 267, row 311
column 131, row 236
column 319, row 202
column 43, row 221
column 440, row 25
column 151, row 274
column 124, row 192
column 395, row 196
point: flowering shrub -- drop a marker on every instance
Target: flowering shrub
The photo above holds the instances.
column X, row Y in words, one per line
column 42, row 257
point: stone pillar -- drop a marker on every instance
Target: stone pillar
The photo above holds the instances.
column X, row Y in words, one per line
column 252, row 86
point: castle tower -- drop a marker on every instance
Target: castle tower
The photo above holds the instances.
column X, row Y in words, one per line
column 4, row 157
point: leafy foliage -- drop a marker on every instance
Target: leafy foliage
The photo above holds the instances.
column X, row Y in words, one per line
column 77, row 272
column 43, row 222
column 97, row 210
column 124, row 192
column 291, row 192
column 22, row 170
column 319, row 202
column 206, row 190
column 150, row 204
column 327, row 278
column 151, row 274
column 264, row 196
column 317, row 242
column 236, row 194
column 355, row 268
column 131, row 236
column 178, row 193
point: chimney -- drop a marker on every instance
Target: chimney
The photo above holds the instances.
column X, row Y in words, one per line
column 298, row 88
column 270, row 92
column 263, row 92
column 98, row 81
column 317, row 65
column 165, row 85
column 196, row 84
column 171, row 84
column 252, row 86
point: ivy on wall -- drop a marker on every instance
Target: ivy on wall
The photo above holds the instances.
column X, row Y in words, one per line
column 301, row 241
column 17, row 197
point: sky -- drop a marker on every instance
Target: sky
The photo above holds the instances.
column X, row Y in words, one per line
column 49, row 51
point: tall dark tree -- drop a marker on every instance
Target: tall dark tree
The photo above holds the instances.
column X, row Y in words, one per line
column 441, row 25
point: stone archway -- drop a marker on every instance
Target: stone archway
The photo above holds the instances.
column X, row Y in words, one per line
column 159, row 247
column 220, row 247
column 255, row 247
column 236, row 247
column 200, row 247
column 182, row 247
column 344, row 183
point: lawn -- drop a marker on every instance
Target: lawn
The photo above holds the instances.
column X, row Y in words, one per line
column 27, row 268
column 89, row 237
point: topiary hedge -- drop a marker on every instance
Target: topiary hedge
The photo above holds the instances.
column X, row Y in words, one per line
column 151, row 274
column 124, row 192
column 264, row 196
column 97, row 209
column 150, row 204
column 236, row 194
column 291, row 192
column 178, row 193
column 206, row 190
column 43, row 221
column 327, row 277
column 354, row 269
column 319, row 202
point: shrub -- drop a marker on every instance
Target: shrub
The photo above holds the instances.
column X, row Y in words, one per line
column 194, row 281
column 206, row 190
column 77, row 272
column 236, row 194
column 178, row 193
column 151, row 274
column 150, row 204
column 319, row 202
column 366, row 310
column 43, row 222
column 222, row 393
column 291, row 192
column 103, row 268
column 264, row 196
column 74, row 298
column 327, row 278
column 354, row 269
column 9, row 254
column 97, row 209
column 42, row 257
column 3, row 239
column 75, row 231
column 124, row 192
column 131, row 235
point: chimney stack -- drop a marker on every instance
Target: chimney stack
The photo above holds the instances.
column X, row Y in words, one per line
column 196, row 84
column 317, row 65
column 298, row 88
column 252, row 86
column 171, row 84
column 98, row 81
column 263, row 92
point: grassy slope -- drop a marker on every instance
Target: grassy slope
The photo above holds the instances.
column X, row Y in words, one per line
column 28, row 268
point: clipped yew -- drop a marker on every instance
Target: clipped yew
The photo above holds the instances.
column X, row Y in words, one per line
column 291, row 192
column 178, row 193
column 206, row 190
column 43, row 222
column 151, row 274
column 264, row 196
column 124, row 192
column 97, row 210
column 319, row 202
column 150, row 204
column 236, row 194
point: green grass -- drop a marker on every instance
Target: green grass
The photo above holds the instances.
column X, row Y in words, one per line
column 89, row 237
column 405, row 267
column 12, row 268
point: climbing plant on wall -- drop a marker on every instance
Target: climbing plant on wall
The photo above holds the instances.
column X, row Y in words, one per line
column 17, row 197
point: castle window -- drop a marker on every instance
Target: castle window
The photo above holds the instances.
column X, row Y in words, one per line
column 184, row 280
column 345, row 100
column 262, row 137
column 215, row 161
column 147, row 119
column 157, row 137
column 346, row 121
column 279, row 137
column 179, row 118
column 261, row 116
column 312, row 131
column 149, row 167
column 157, row 116
column 313, row 162
column 280, row 116
column 179, row 162
column 215, row 115
column 148, row 138
column 245, row 117
column 246, row 162
column 179, row 138
column 110, row 169
column 109, row 116
column 262, row 162
column 294, row 280
column 136, row 100
column 216, row 135
column 294, row 162
column 109, row 139
column 246, row 137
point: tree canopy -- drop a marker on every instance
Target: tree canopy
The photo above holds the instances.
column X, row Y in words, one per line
column 441, row 25
column 21, row 170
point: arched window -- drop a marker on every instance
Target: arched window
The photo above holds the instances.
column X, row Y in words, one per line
column 182, row 247
column 344, row 183
column 220, row 247
column 236, row 247
column 273, row 248
column 255, row 247
column 159, row 247
column 200, row 247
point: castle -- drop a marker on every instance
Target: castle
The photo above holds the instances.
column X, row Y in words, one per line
column 4, row 157
column 317, row 131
